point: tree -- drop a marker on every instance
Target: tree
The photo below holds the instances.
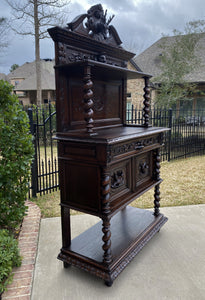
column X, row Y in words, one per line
column 35, row 16
column 178, row 59
column 3, row 33
column 14, row 67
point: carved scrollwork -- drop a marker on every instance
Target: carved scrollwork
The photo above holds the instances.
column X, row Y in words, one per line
column 98, row 105
column 61, row 53
column 138, row 145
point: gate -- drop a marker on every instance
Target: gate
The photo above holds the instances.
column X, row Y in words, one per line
column 44, row 172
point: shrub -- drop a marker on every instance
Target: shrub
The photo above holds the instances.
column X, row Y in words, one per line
column 9, row 258
column 16, row 153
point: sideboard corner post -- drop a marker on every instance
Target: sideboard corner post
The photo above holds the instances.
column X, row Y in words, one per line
column 157, row 187
column 105, row 190
column 65, row 225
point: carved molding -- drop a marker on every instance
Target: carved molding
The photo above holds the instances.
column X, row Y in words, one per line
column 111, row 275
column 67, row 55
column 83, row 266
column 137, row 249
column 139, row 145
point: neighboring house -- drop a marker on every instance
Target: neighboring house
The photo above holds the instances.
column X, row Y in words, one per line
column 149, row 61
column 135, row 87
column 3, row 76
column 24, row 81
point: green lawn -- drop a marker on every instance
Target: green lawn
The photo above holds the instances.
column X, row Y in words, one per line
column 184, row 184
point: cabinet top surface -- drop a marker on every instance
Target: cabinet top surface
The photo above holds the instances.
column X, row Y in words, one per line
column 112, row 71
column 111, row 135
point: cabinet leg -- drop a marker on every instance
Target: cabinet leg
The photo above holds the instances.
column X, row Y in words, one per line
column 156, row 200
column 65, row 224
column 109, row 282
column 157, row 177
column 107, row 257
column 66, row 265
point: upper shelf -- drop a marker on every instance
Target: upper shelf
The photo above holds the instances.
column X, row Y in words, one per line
column 106, row 71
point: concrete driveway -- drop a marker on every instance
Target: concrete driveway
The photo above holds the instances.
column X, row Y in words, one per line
column 171, row 266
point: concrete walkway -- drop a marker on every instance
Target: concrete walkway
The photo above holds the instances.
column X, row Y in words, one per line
column 171, row 266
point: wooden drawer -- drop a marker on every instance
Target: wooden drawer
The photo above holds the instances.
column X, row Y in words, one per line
column 77, row 151
column 131, row 148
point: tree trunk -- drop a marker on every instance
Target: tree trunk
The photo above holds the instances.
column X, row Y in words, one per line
column 37, row 56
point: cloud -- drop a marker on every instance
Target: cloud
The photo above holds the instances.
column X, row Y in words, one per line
column 139, row 23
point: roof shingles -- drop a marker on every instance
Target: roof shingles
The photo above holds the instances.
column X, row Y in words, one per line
column 149, row 60
column 27, row 72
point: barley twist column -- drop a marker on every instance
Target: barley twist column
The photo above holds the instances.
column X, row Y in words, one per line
column 88, row 102
column 157, row 188
column 105, row 184
column 146, row 102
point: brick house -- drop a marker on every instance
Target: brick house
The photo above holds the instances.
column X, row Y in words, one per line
column 24, row 81
column 134, row 87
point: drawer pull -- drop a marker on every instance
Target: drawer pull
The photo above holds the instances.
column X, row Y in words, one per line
column 139, row 146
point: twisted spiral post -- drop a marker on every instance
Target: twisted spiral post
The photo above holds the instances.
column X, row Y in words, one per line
column 107, row 257
column 146, row 102
column 157, row 188
column 156, row 200
column 88, row 102
column 105, row 194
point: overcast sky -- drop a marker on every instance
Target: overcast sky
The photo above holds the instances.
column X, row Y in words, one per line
column 139, row 23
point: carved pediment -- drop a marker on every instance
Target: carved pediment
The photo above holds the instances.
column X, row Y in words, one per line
column 95, row 25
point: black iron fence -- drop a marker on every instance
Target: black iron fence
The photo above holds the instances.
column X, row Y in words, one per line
column 44, row 172
column 187, row 130
column 185, row 138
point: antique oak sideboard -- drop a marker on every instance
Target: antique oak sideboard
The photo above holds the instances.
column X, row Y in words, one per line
column 104, row 163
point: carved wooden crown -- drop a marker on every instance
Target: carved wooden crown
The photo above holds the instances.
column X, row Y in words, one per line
column 96, row 26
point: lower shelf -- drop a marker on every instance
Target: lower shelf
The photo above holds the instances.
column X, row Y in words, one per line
column 130, row 229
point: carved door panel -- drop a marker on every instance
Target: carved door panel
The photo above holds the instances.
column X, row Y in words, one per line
column 144, row 168
column 120, row 179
